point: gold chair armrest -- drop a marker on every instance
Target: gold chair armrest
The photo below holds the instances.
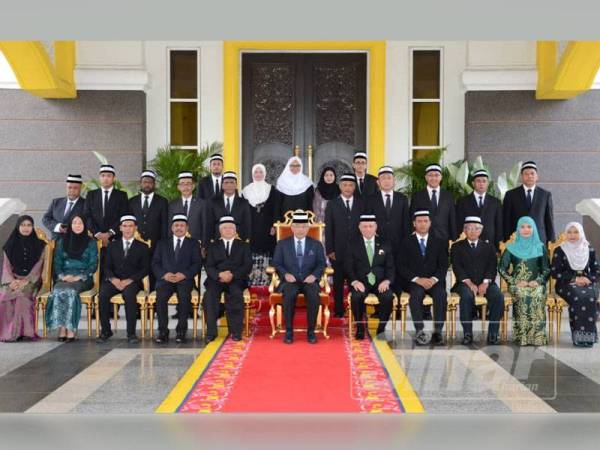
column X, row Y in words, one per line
column 270, row 270
column 324, row 282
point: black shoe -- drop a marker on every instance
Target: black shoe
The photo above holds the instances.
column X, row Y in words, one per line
column 467, row 339
column 311, row 337
column 104, row 337
column 62, row 338
column 236, row 337
column 180, row 339
column 132, row 339
column 437, row 338
column 360, row 332
column 175, row 316
column 209, row 339
column 493, row 340
column 289, row 337
column 422, row 338
column 162, row 339
column 70, row 339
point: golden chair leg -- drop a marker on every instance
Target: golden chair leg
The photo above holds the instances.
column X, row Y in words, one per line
column 319, row 323
column 550, row 323
column 326, row 316
column 402, row 320
column 195, row 321
column 143, row 320
column 37, row 316
column 394, row 312
column 89, row 317
column 45, row 331
column 558, row 323
column 247, row 320
column 272, row 320
column 454, row 320
column 350, row 320
column 97, row 313
column 448, row 321
column 279, row 311
column 505, row 323
column 483, row 318
column 115, row 314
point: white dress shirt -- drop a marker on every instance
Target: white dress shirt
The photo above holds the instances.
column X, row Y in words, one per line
column 344, row 199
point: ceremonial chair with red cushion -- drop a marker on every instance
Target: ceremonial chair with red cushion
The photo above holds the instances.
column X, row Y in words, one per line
column 315, row 231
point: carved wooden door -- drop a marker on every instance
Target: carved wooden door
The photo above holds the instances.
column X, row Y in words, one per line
column 302, row 99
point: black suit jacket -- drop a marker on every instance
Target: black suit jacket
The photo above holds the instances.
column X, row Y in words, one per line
column 155, row 225
column 515, row 207
column 239, row 261
column 443, row 222
column 196, row 216
column 491, row 216
column 285, row 260
column 411, row 264
column 206, row 188
column 134, row 267
column 356, row 262
column 370, row 186
column 395, row 227
column 189, row 261
column 56, row 214
column 240, row 211
column 118, row 206
column 474, row 264
column 341, row 227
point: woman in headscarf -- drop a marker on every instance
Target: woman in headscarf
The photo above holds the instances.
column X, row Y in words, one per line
column 327, row 189
column 576, row 270
column 296, row 189
column 23, row 260
column 526, row 268
column 75, row 261
column 263, row 200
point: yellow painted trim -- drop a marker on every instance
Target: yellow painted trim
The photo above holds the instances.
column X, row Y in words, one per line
column 570, row 75
column 36, row 73
column 408, row 397
column 186, row 383
column 232, row 101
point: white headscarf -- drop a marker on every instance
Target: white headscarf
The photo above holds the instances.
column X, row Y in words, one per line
column 257, row 192
column 293, row 184
column 577, row 253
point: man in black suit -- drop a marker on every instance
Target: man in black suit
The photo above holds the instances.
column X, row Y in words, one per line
column 127, row 263
column 422, row 267
column 191, row 207
column 483, row 205
column 228, row 203
column 105, row 206
column 175, row 263
column 366, row 184
column 391, row 210
column 529, row 200
column 151, row 212
column 369, row 264
column 300, row 263
column 211, row 185
column 439, row 203
column 342, row 215
column 62, row 209
column 228, row 267
column 474, row 263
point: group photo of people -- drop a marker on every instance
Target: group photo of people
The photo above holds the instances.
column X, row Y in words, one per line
column 219, row 239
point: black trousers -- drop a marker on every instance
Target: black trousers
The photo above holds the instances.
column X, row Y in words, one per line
column 495, row 307
column 108, row 291
column 440, row 303
column 339, row 276
column 357, row 300
column 234, row 306
column 184, row 303
column 290, row 293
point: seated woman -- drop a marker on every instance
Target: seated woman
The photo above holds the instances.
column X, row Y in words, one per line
column 21, row 279
column 526, row 268
column 296, row 189
column 75, row 261
column 576, row 270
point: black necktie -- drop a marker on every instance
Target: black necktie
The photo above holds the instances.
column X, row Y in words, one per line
column 185, row 207
column 361, row 185
column 146, row 206
column 127, row 245
column 69, row 209
column 228, row 206
column 348, row 206
column 177, row 248
column 434, row 202
column 216, row 186
column 388, row 205
column 105, row 204
column 227, row 248
column 480, row 202
column 473, row 245
column 529, row 199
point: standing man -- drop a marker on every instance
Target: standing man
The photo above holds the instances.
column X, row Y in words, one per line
column 228, row 203
column 126, row 264
column 191, row 207
column 370, row 268
column 175, row 263
column 475, row 265
column 366, row 184
column 529, row 200
column 422, row 268
column 228, row 267
column 390, row 209
column 61, row 209
column 342, row 215
column 151, row 212
column 438, row 202
column 105, row 206
column 300, row 263
column 483, row 205
column 210, row 185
